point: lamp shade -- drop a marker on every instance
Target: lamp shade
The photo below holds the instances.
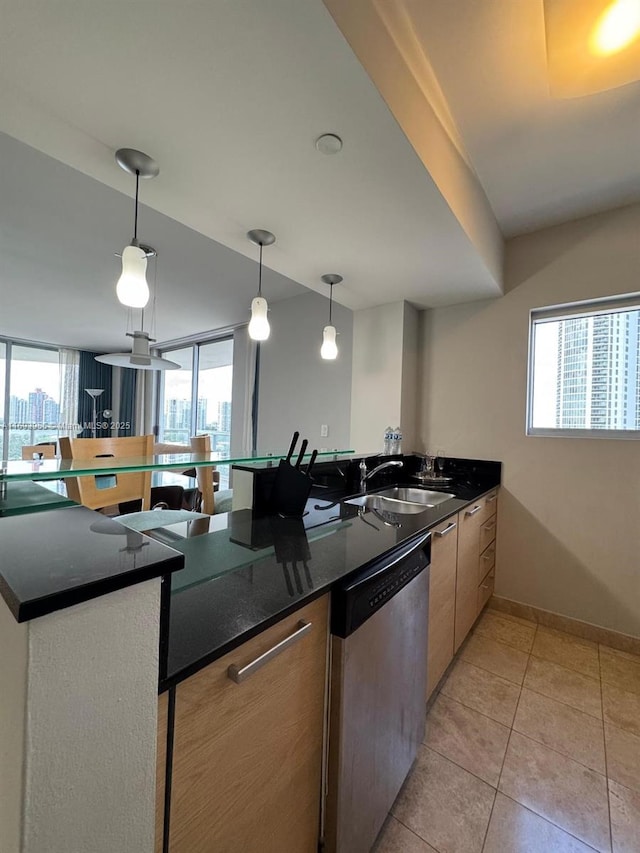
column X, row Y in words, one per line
column 259, row 328
column 329, row 348
column 132, row 288
column 140, row 357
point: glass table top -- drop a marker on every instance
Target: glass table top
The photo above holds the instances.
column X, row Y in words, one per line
column 57, row 469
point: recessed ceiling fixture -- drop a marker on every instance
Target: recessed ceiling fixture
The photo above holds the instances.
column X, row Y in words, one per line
column 592, row 45
column 329, row 143
column 259, row 328
column 132, row 288
column 617, row 27
column 329, row 348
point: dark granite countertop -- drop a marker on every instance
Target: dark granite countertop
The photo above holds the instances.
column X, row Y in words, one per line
column 52, row 560
column 244, row 572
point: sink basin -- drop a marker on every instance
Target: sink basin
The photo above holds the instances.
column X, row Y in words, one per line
column 383, row 504
column 415, row 496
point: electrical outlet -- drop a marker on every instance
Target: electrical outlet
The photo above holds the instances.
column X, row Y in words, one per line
column 324, row 430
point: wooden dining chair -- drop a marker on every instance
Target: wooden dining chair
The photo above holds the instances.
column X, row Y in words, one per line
column 45, row 451
column 205, row 474
column 97, row 492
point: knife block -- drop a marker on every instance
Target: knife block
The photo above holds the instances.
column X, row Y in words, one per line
column 290, row 491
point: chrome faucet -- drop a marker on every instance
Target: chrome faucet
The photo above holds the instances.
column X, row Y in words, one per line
column 366, row 475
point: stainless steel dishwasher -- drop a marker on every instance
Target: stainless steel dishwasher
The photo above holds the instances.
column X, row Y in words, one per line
column 378, row 692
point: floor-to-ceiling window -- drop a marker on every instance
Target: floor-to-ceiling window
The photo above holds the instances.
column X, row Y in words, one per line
column 38, row 395
column 34, row 397
column 196, row 400
column 4, row 414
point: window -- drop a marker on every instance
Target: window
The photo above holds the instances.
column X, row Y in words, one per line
column 584, row 369
column 196, row 400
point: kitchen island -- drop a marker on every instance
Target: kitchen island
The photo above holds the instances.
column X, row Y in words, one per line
column 79, row 720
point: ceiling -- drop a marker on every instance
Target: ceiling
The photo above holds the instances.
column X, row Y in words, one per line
column 229, row 98
column 539, row 159
column 59, row 230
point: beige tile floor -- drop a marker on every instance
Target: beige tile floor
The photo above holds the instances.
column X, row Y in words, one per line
column 532, row 746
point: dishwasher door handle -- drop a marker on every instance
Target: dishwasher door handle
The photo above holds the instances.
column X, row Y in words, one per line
column 239, row 675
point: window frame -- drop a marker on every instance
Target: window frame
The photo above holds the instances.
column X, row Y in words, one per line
column 9, row 343
column 571, row 311
column 194, row 344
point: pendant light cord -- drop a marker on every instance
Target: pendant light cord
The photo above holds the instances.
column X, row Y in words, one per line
column 135, row 222
column 260, row 273
column 330, row 302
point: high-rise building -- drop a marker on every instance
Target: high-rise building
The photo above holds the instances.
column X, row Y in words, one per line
column 177, row 415
column 18, row 410
column 224, row 416
column 202, row 414
column 598, row 372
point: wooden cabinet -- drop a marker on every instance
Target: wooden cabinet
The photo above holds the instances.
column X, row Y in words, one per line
column 247, row 757
column 442, row 598
column 476, row 534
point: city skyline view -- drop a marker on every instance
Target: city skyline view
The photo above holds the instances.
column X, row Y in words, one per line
column 587, row 372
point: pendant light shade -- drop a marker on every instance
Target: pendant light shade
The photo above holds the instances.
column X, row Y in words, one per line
column 329, row 348
column 132, row 288
column 259, row 328
column 139, row 358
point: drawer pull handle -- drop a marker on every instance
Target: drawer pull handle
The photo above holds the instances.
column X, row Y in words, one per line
column 239, row 675
column 473, row 511
column 485, row 586
column 490, row 554
column 492, row 498
column 488, row 525
column 447, row 529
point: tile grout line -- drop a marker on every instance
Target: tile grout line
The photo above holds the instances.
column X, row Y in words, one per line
column 413, row 832
column 504, row 757
column 550, row 822
column 575, row 671
column 606, row 760
column 469, row 708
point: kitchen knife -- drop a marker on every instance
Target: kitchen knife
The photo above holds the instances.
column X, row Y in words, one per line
column 303, row 450
column 292, row 447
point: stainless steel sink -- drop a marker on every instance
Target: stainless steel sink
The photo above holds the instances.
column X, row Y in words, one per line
column 383, row 504
column 423, row 497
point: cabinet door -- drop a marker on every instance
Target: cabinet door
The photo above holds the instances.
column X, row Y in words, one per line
column 442, row 598
column 247, row 764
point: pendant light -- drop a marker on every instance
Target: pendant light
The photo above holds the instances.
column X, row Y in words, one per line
column 132, row 288
column 329, row 348
column 140, row 357
column 259, row 328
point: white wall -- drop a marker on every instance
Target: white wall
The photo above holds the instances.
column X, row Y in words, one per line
column 78, row 722
column 298, row 390
column 385, row 345
column 569, row 527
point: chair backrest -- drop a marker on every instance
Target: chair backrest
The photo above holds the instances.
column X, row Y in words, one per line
column 202, row 444
column 108, row 490
column 45, row 451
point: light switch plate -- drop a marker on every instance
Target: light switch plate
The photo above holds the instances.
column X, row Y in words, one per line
column 324, row 430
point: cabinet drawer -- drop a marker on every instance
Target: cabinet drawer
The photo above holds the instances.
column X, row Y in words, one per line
column 486, row 562
column 485, row 589
column 482, row 509
column 487, row 532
